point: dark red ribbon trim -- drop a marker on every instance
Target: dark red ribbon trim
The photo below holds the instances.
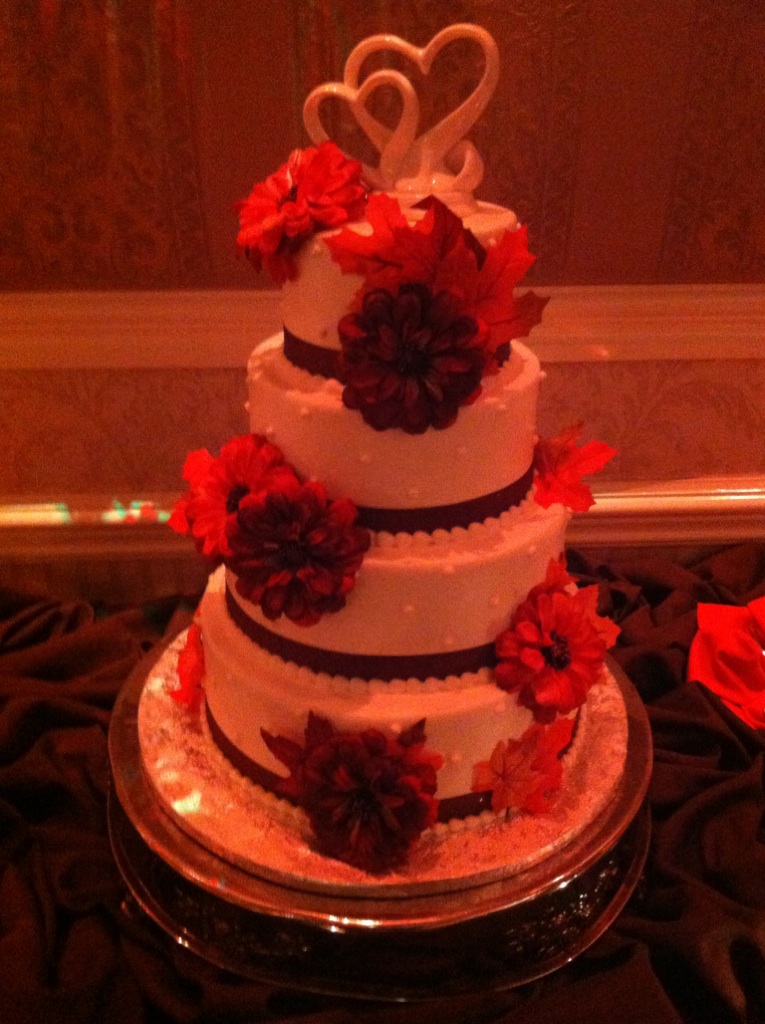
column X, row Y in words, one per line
column 325, row 362
column 362, row 666
column 304, row 354
column 446, row 517
column 452, row 807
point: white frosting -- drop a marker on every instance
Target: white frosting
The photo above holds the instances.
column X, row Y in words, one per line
column 490, row 445
column 248, row 689
column 424, row 599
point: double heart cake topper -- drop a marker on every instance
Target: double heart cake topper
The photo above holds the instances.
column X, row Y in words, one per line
column 439, row 161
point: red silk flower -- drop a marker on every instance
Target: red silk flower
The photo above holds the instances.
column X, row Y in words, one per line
column 191, row 670
column 728, row 657
column 245, row 465
column 368, row 796
column 559, row 467
column 553, row 650
column 317, row 189
column 524, row 774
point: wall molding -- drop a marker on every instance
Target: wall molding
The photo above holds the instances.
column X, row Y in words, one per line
column 217, row 329
column 92, row 548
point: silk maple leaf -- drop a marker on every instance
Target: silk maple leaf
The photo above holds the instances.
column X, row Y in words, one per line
column 191, row 670
column 524, row 774
column 559, row 466
column 397, row 252
column 440, row 252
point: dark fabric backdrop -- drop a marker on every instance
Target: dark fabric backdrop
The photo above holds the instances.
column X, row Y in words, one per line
column 689, row 947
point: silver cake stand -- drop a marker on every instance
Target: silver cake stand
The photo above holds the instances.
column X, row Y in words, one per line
column 484, row 936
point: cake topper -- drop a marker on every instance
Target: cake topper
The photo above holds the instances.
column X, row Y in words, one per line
column 440, row 161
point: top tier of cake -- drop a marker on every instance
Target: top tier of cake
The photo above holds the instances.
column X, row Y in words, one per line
column 320, row 294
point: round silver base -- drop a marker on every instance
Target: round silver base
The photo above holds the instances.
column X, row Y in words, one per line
column 480, row 937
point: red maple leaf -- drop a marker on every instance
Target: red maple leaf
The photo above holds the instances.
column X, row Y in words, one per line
column 371, row 255
column 435, row 250
column 440, row 252
column 560, row 465
column 524, row 774
column 191, row 670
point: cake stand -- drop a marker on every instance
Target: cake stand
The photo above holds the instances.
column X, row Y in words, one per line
column 485, row 935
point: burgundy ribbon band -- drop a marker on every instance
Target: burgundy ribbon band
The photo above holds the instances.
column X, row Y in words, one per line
column 446, row 517
column 384, row 667
column 325, row 362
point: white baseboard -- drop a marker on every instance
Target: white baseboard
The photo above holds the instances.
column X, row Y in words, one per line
column 92, row 548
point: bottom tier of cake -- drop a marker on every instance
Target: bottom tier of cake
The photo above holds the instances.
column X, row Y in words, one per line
column 230, row 815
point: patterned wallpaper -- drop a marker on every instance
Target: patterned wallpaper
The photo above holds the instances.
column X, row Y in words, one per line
column 630, row 137
column 99, row 185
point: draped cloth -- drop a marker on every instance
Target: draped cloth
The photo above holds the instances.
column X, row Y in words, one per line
column 689, row 947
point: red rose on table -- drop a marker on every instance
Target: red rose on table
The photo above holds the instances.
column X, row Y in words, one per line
column 727, row 656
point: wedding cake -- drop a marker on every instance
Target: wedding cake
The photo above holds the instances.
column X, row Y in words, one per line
column 389, row 642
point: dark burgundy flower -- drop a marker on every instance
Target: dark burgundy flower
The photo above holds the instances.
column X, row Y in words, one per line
column 412, row 358
column 368, row 796
column 296, row 552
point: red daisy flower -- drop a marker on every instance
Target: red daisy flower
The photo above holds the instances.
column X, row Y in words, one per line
column 553, row 650
column 191, row 670
column 410, row 360
column 318, row 188
column 524, row 774
column 216, row 486
column 559, row 467
column 296, row 552
column 368, row 796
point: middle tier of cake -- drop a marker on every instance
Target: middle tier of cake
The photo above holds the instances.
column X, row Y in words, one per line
column 477, row 468
column 415, row 640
